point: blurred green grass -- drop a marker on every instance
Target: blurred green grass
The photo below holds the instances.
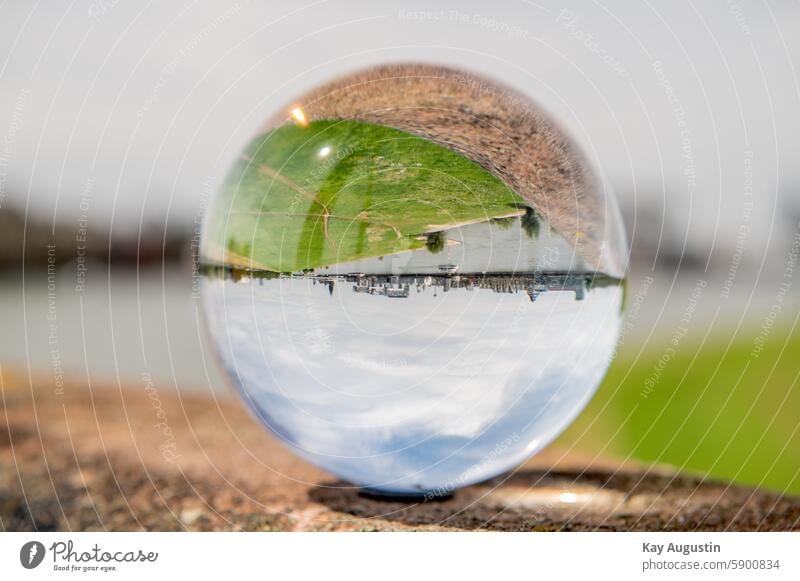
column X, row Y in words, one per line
column 714, row 407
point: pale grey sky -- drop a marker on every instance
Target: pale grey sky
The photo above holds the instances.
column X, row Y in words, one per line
column 450, row 377
column 139, row 106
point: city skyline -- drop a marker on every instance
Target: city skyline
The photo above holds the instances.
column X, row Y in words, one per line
column 534, row 284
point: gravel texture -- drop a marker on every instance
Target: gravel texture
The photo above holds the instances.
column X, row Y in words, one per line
column 143, row 457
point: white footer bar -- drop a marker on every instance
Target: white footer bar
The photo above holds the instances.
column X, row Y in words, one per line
column 333, row 556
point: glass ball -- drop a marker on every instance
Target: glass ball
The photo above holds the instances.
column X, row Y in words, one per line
column 413, row 278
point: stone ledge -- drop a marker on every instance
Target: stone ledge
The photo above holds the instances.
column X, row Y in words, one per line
column 147, row 458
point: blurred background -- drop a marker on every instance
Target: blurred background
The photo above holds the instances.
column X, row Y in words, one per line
column 118, row 119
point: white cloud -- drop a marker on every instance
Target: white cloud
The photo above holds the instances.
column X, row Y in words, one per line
column 402, row 384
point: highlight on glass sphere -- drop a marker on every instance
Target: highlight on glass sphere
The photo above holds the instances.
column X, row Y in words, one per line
column 413, row 278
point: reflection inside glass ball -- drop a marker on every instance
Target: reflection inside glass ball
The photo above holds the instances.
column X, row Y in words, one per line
column 413, row 278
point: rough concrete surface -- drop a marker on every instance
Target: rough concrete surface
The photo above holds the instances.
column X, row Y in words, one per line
column 143, row 456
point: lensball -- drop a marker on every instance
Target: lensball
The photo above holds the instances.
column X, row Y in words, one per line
column 413, row 278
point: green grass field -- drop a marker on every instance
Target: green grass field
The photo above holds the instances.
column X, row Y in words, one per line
column 714, row 409
column 304, row 197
